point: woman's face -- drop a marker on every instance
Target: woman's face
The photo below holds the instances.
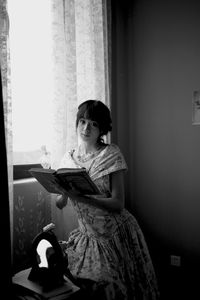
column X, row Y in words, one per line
column 88, row 130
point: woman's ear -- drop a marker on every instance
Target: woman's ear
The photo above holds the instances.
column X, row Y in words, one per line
column 100, row 135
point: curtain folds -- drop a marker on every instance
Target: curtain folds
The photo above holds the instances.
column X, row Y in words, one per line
column 81, row 69
column 7, row 106
column 81, row 31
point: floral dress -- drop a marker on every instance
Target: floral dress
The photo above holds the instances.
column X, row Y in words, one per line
column 109, row 248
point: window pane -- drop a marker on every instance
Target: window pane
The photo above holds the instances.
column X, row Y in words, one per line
column 31, row 77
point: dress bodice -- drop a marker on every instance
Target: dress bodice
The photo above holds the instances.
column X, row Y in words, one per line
column 94, row 220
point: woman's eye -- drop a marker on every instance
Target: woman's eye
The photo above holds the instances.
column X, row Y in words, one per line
column 82, row 121
column 95, row 124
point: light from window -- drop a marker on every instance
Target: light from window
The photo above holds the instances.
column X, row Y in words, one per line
column 31, row 78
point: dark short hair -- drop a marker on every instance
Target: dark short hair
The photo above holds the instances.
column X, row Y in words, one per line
column 97, row 111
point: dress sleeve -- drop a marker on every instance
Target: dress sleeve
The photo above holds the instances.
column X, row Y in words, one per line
column 112, row 160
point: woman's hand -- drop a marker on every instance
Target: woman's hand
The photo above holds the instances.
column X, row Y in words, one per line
column 71, row 192
column 61, row 201
column 64, row 194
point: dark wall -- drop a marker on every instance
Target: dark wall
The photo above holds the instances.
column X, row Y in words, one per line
column 120, row 99
column 156, row 68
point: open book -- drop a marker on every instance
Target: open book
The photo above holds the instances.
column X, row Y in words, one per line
column 67, row 178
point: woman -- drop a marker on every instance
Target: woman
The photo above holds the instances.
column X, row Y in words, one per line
column 108, row 247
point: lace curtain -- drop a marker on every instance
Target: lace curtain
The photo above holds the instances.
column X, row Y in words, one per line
column 81, row 69
column 6, row 89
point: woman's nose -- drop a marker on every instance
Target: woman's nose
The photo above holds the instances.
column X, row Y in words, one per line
column 87, row 126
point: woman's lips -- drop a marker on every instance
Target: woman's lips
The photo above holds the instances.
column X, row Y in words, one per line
column 85, row 134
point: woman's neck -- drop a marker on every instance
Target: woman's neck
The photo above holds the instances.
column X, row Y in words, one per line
column 86, row 148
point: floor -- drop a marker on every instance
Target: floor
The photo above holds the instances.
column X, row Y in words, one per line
column 179, row 286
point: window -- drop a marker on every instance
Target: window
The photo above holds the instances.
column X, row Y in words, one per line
column 31, row 79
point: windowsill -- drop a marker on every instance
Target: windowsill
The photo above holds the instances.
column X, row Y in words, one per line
column 24, row 180
column 22, row 171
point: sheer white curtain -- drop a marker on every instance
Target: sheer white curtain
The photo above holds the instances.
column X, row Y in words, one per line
column 81, row 72
column 81, row 69
column 6, row 89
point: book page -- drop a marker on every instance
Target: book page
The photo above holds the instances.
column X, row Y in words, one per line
column 80, row 182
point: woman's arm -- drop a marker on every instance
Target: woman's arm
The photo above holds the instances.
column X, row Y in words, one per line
column 114, row 203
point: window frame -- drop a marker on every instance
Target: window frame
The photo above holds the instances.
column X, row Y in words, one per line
column 22, row 171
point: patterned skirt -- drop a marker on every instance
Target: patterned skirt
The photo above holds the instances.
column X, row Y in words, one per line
column 119, row 265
